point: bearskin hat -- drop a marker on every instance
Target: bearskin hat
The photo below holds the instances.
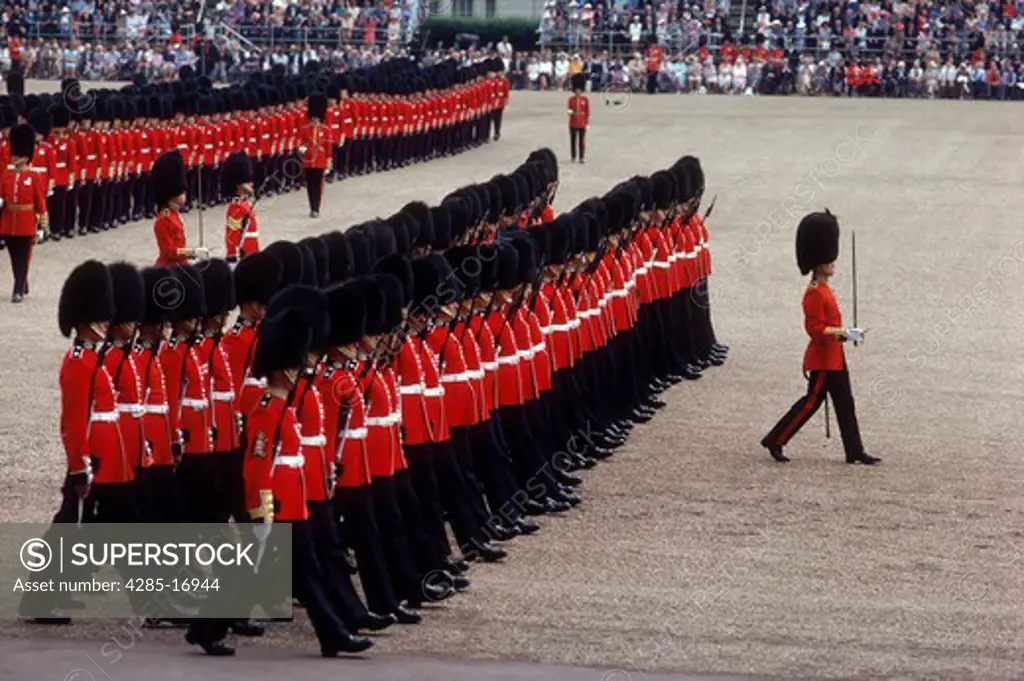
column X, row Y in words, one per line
column 375, row 304
column 394, row 300
column 291, row 259
column 168, row 177
column 236, row 171
column 347, row 309
column 817, row 241
column 339, row 256
column 361, row 245
column 15, row 83
column 508, row 267
column 439, row 235
column 312, row 303
column 23, row 141
column 257, row 277
column 428, row 279
column 60, row 115
column 398, row 266
column 316, row 106
column 155, row 280
column 187, row 299
column 218, row 287
column 41, row 121
column 86, row 297
column 399, row 225
column 282, row 343
column 318, row 261
column 129, row 293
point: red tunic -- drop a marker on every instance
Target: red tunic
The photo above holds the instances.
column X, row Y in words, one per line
column 242, row 231
column 460, row 405
column 821, row 310
column 434, row 394
column 187, row 399
column 412, row 390
column 120, row 365
column 381, row 414
column 345, row 422
column 221, row 411
column 65, row 161
column 88, row 419
column 273, row 461
column 24, row 196
column 511, row 391
column 170, row 236
column 156, row 421
column 319, row 463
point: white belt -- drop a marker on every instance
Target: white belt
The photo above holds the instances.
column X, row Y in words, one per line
column 604, row 301
column 313, row 440
column 155, row 409
column 191, row 403
column 266, row 136
column 104, row 416
column 538, row 348
column 662, row 265
column 434, row 392
column 208, row 146
column 347, row 120
column 354, row 434
column 622, row 293
column 183, row 146
column 641, row 271
column 546, row 330
column 251, row 235
column 456, row 378
column 60, row 165
column 690, row 256
column 700, row 247
column 489, row 366
column 574, row 324
column 476, row 374
column 136, row 410
column 674, row 257
column 384, row 421
column 510, row 359
column 90, row 157
column 219, row 396
column 145, row 151
column 561, row 327
column 255, row 382
column 297, row 461
column 411, row 390
column 587, row 314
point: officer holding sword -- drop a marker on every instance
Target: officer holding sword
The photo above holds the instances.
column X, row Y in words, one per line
column 817, row 248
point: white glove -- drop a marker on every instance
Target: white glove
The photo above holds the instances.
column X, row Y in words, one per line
column 855, row 335
column 201, row 253
column 262, row 531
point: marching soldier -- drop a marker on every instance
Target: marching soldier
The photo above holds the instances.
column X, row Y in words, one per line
column 43, row 160
column 23, row 197
column 242, row 233
column 579, row 118
column 817, row 249
column 316, row 144
column 155, row 485
column 60, row 205
column 169, row 189
column 274, row 481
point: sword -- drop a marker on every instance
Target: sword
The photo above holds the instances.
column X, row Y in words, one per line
column 81, row 512
column 853, row 252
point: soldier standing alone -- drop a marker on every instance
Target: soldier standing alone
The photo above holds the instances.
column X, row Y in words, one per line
column 579, row 117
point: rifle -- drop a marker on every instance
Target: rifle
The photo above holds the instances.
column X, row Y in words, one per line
column 707, row 213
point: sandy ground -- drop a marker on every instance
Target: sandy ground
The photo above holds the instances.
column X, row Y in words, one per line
column 693, row 552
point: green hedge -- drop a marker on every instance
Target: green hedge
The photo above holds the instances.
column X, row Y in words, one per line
column 522, row 33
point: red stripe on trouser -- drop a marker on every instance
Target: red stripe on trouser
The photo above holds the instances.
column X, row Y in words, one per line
column 804, row 414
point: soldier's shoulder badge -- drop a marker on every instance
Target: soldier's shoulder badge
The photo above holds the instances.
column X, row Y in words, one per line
column 265, row 400
column 813, row 284
column 76, row 352
column 259, row 445
column 328, row 372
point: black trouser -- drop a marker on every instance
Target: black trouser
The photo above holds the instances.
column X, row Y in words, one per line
column 422, row 544
column 836, row 384
column 86, row 192
column 309, row 585
column 495, row 472
column 424, row 481
column 70, row 210
column 355, row 504
column 55, row 204
column 158, row 494
column 455, row 497
column 192, row 185
column 578, row 140
column 230, row 481
column 19, row 249
column 206, row 177
column 331, row 556
column 199, row 490
column 406, row 577
column 112, row 503
column 652, row 82
column 98, row 204
column 314, row 188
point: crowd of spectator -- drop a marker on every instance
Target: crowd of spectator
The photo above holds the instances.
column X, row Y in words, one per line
column 840, row 47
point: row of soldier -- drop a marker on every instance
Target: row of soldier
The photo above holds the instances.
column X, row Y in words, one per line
column 96, row 148
column 450, row 366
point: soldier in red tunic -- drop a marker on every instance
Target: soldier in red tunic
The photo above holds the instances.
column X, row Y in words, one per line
column 60, row 206
column 23, row 197
column 242, row 231
column 43, row 160
column 817, row 248
column 156, row 489
column 579, row 118
column 169, row 188
column 316, row 143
